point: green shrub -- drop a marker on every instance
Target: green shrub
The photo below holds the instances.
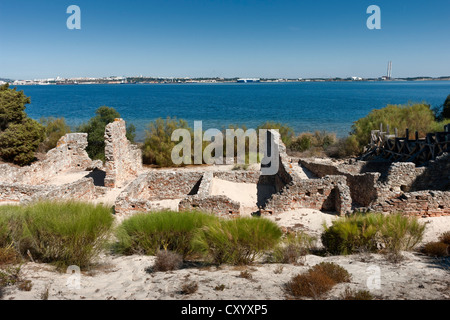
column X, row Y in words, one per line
column 54, row 130
column 95, row 128
column 293, row 247
column 319, row 139
column 64, row 233
column 400, row 233
column 343, row 148
column 20, row 136
column 238, row 241
column 446, row 108
column 158, row 144
column 19, row 141
column 286, row 132
column 317, row 281
column 147, row 233
column 11, row 226
column 417, row 117
column 372, row 232
column 302, row 143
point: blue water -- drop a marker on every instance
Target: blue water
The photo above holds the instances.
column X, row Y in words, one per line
column 305, row 106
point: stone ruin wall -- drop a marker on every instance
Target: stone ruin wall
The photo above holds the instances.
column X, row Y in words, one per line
column 330, row 193
column 394, row 189
column 193, row 188
column 20, row 193
column 69, row 154
column 25, row 184
column 123, row 159
column 156, row 185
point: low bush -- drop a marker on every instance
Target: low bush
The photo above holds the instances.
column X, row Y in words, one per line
column 372, row 232
column 436, row 249
column 238, row 241
column 293, row 247
column 64, row 233
column 167, row 261
column 332, row 270
column 445, row 238
column 147, row 233
column 317, row 281
column 349, row 294
column 55, row 128
column 8, row 255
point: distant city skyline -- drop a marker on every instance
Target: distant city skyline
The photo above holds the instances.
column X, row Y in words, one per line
column 225, row 39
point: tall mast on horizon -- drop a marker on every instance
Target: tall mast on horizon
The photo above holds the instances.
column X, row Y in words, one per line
column 389, row 70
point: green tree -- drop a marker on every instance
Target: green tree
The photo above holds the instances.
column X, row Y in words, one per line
column 55, row 128
column 416, row 117
column 446, row 110
column 286, row 132
column 20, row 136
column 158, row 144
column 95, row 128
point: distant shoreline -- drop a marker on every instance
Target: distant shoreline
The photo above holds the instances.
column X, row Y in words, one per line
column 151, row 80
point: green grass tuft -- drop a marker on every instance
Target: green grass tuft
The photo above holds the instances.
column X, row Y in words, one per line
column 238, row 241
column 147, row 233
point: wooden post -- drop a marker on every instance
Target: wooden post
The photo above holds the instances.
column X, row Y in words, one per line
column 417, row 135
column 407, row 134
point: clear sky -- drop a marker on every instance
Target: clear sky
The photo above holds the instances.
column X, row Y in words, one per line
column 245, row 38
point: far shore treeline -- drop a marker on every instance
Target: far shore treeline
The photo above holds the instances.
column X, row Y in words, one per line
column 22, row 139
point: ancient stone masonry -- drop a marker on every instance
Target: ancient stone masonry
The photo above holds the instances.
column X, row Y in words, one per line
column 140, row 194
column 123, row 159
column 398, row 186
column 329, row 193
column 69, row 154
column 83, row 189
column 30, row 183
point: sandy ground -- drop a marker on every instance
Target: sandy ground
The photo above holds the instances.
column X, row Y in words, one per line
column 130, row 277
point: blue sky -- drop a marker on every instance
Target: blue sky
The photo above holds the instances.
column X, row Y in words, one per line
column 259, row 38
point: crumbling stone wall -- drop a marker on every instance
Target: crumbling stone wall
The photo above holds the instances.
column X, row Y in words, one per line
column 240, row 176
column 218, row 205
column 421, row 204
column 82, row 189
column 156, row 185
column 69, row 154
column 390, row 189
column 435, row 176
column 123, row 159
column 329, row 194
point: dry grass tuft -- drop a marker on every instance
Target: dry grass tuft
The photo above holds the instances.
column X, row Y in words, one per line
column 167, row 261
column 189, row 288
column 317, row 281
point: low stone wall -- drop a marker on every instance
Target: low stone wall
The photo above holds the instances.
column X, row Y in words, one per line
column 157, row 185
column 420, row 204
column 83, row 189
column 218, row 205
column 329, row 194
column 123, row 159
column 435, row 176
column 238, row 176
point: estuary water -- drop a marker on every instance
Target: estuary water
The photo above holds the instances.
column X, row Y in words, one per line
column 305, row 106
